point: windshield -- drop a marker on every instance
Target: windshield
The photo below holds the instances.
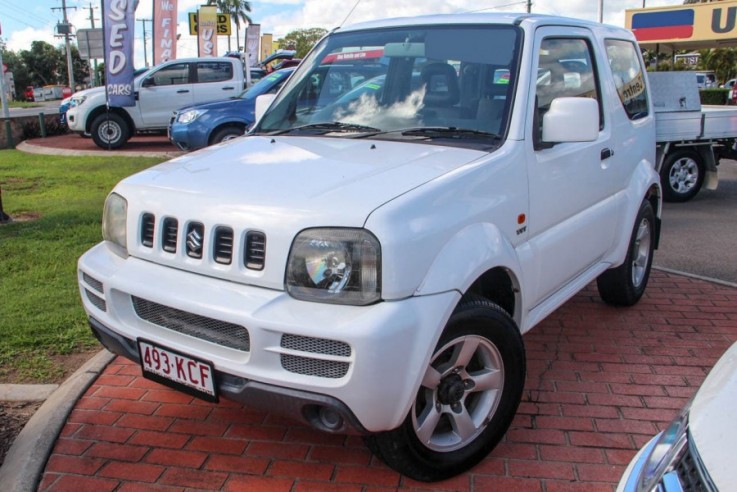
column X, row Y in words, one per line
column 427, row 83
column 267, row 85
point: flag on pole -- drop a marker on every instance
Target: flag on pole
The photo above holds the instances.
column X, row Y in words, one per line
column 165, row 30
column 118, row 18
column 207, row 24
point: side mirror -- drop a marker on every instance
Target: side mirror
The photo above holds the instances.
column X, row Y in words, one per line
column 571, row 119
column 148, row 82
column 262, row 104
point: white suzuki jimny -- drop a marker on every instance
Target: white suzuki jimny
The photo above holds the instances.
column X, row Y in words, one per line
column 419, row 194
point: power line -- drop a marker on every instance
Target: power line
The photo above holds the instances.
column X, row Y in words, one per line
column 25, row 12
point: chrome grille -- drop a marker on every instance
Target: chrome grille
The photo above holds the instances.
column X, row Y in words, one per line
column 94, row 283
column 255, row 250
column 208, row 329
column 219, row 244
column 223, row 247
column 148, row 221
column 96, row 300
column 169, row 236
column 315, row 345
column 314, row 367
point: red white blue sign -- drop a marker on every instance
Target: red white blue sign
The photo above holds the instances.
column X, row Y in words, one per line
column 672, row 24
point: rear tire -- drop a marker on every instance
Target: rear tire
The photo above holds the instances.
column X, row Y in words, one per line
column 625, row 284
column 110, row 131
column 682, row 176
column 467, row 399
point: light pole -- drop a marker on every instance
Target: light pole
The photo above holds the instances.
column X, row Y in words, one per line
column 601, row 11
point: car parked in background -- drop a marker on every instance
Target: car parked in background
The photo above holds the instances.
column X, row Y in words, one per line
column 696, row 452
column 198, row 126
column 28, row 94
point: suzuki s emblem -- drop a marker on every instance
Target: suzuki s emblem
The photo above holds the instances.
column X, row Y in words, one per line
column 194, row 241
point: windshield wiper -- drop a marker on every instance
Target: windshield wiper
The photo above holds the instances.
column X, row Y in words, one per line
column 446, row 132
column 328, row 127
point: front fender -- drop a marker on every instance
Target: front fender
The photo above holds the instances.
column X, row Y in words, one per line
column 466, row 256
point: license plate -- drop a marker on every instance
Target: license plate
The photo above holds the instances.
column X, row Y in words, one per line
column 176, row 370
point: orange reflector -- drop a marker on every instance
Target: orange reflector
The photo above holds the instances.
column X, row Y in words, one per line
column 521, row 218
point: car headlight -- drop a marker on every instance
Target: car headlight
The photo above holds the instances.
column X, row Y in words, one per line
column 666, row 451
column 189, row 116
column 114, row 223
column 338, row 266
column 77, row 101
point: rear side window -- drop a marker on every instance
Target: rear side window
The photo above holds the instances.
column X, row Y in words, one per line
column 214, row 72
column 628, row 77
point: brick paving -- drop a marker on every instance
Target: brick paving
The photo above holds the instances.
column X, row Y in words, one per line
column 601, row 382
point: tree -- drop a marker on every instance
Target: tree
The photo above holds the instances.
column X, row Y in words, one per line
column 238, row 10
column 721, row 61
column 42, row 62
column 302, row 40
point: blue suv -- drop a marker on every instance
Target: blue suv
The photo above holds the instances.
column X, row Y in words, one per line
column 198, row 126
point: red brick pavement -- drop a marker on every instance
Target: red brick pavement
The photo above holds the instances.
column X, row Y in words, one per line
column 601, row 381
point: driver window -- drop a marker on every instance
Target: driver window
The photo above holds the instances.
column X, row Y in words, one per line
column 172, row 75
column 565, row 69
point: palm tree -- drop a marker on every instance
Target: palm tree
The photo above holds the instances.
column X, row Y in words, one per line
column 238, row 10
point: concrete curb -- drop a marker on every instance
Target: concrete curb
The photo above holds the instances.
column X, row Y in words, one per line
column 697, row 277
column 26, row 459
column 37, row 149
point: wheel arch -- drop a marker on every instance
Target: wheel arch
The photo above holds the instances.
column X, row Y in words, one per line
column 493, row 273
column 644, row 185
column 240, row 124
column 102, row 110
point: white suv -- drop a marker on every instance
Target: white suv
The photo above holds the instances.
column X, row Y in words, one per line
column 368, row 264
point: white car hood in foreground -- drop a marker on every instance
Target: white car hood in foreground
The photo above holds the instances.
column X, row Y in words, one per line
column 280, row 186
column 713, row 420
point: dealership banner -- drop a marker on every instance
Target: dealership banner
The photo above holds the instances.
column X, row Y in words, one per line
column 253, row 36
column 165, row 30
column 118, row 19
column 207, row 22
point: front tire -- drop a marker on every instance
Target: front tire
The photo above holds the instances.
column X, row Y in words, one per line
column 682, row 176
column 225, row 134
column 110, row 131
column 469, row 394
column 625, row 284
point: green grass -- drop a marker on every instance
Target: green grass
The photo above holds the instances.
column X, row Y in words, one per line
column 40, row 311
column 23, row 104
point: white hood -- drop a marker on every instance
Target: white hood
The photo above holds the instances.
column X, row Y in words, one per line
column 282, row 185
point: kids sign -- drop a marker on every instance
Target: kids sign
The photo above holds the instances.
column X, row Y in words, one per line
column 118, row 18
column 703, row 24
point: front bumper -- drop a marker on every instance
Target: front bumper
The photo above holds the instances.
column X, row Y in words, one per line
column 191, row 136
column 384, row 348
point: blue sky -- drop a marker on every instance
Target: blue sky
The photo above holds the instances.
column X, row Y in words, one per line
column 22, row 23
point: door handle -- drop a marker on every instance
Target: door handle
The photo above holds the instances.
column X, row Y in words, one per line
column 228, row 88
column 182, row 91
column 606, row 154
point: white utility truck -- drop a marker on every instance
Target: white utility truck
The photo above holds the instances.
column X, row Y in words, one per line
column 368, row 257
column 691, row 138
column 159, row 92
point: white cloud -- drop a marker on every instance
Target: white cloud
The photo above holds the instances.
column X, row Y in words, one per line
column 330, row 13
